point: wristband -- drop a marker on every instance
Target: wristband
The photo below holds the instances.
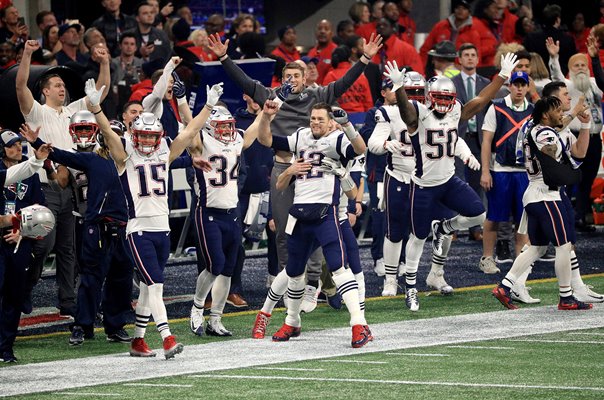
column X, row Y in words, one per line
column 181, row 100
column 98, row 112
column 210, row 107
column 278, row 101
column 350, row 132
column 223, row 57
column 585, row 125
column 366, row 56
column 358, row 202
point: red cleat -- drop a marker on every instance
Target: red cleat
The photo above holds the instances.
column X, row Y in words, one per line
column 139, row 348
column 286, row 332
column 171, row 347
column 361, row 335
column 369, row 333
column 504, row 296
column 262, row 321
column 571, row 303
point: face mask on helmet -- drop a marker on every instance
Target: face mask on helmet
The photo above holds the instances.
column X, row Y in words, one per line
column 440, row 94
column 147, row 132
column 83, row 129
column 415, row 85
column 221, row 125
column 35, row 221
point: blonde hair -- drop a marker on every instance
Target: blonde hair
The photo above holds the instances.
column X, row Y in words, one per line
column 538, row 68
column 505, row 48
column 196, row 36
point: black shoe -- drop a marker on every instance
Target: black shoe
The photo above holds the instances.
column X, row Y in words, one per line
column 67, row 312
column 8, row 357
column 502, row 252
column 581, row 226
column 27, row 306
column 120, row 336
column 335, row 301
column 77, row 336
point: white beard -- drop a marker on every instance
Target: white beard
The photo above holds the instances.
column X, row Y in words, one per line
column 581, row 81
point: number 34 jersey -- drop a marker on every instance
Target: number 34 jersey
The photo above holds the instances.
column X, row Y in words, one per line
column 434, row 145
column 218, row 188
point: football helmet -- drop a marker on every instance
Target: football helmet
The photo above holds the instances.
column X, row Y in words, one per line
column 147, row 132
column 415, row 85
column 36, row 221
column 440, row 94
column 221, row 125
column 83, row 129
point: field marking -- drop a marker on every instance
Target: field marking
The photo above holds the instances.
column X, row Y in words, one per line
column 87, row 394
column 586, row 333
column 558, row 341
column 353, row 361
column 314, row 345
column 158, row 385
column 481, row 347
column 418, row 354
column 397, row 382
column 291, row 369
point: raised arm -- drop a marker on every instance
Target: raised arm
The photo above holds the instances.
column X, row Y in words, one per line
column 358, row 144
column 152, row 103
column 579, row 148
column 185, row 137
column 553, row 48
column 24, row 95
column 180, row 91
column 594, row 53
column 405, row 108
column 101, row 55
column 269, row 110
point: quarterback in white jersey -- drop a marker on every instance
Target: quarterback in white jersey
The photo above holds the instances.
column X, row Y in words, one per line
column 216, row 215
column 143, row 165
column 313, row 219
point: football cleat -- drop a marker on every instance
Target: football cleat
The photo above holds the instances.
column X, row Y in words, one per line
column 286, row 332
column 502, row 293
column 77, row 336
column 488, row 265
column 586, row 295
column 197, row 321
column 436, row 280
column 571, row 303
column 437, row 238
column 171, row 347
column 215, row 328
column 411, row 299
column 521, row 293
column 138, row 348
column 361, row 335
column 309, row 301
column 369, row 333
column 390, row 286
column 380, row 267
column 262, row 321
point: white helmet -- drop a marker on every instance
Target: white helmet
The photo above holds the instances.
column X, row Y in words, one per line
column 221, row 125
column 147, row 132
column 36, row 221
column 83, row 129
column 440, row 94
column 415, row 85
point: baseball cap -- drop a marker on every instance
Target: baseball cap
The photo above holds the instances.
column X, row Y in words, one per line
column 387, row 83
column 519, row 76
column 63, row 28
column 8, row 138
column 308, row 59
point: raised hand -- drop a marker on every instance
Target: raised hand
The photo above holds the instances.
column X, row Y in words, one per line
column 340, row 116
column 213, row 93
column 592, row 45
column 508, row 63
column 216, row 45
column 394, row 74
column 580, row 107
column 43, row 152
column 371, row 48
column 285, row 89
column 31, row 46
column 167, row 9
column 178, row 88
column 28, row 133
column 270, row 107
column 94, row 95
column 553, row 48
column 100, row 54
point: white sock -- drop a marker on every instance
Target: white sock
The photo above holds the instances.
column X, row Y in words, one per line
column 275, row 293
column 295, row 291
column 438, row 262
column 413, row 253
column 460, row 222
column 349, row 290
column 220, row 292
column 158, row 309
column 522, row 278
column 562, row 266
column 360, row 278
column 575, row 273
column 205, row 280
column 143, row 312
column 392, row 255
column 522, row 263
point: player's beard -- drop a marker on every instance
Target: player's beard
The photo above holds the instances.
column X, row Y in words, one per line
column 581, row 81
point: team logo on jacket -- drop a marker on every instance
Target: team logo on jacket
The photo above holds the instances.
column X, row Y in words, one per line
column 19, row 190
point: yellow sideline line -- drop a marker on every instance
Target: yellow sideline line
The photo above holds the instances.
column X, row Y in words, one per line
column 254, row 312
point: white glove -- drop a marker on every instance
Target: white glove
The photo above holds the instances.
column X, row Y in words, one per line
column 331, row 166
column 94, row 96
column 396, row 76
column 213, row 94
column 393, row 146
column 508, row 62
column 339, row 115
column 472, row 163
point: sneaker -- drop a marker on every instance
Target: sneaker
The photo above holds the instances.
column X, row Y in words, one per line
column 437, row 238
column 286, row 332
column 360, row 336
column 197, row 320
column 586, row 295
column 171, row 347
column 488, row 265
column 236, row 300
column 309, row 300
column 77, row 336
column 502, row 252
column 215, row 328
column 139, row 348
column 521, row 293
column 335, row 301
column 369, row 333
column 436, row 280
column 262, row 321
column 120, row 336
column 379, row 268
column 411, row 299
column 502, row 293
column 8, row 357
column 571, row 303
column 390, row 286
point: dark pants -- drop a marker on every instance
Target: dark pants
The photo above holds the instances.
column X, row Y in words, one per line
column 377, row 223
column 469, row 175
column 589, row 168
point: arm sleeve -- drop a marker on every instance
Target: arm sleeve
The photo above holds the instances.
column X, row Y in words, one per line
column 281, row 143
column 555, row 70
column 380, row 134
column 598, row 72
column 152, row 103
column 335, row 89
column 69, row 159
column 252, row 88
column 22, row 170
column 368, row 125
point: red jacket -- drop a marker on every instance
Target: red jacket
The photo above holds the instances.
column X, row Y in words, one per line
column 442, row 31
column 409, row 24
column 324, row 57
column 581, row 40
column 358, row 97
column 288, row 56
column 403, row 53
column 366, row 30
column 508, row 32
column 488, row 42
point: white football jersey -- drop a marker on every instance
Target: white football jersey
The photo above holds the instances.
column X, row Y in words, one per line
column 356, row 165
column 390, row 126
column 145, row 184
column 317, row 187
column 218, row 188
column 537, row 189
column 434, row 145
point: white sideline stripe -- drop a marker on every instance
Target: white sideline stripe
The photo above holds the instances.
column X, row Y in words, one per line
column 397, row 382
column 291, row 369
column 481, row 347
column 87, row 394
column 158, row 385
column 418, row 354
column 354, row 361
column 244, row 353
column 559, row 341
column 586, row 333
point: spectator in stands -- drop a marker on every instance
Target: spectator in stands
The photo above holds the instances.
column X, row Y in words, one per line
column 395, row 49
column 579, row 32
column 215, row 24
column 506, row 22
column 113, row 23
column 323, row 48
column 538, row 73
column 311, row 74
column 50, row 39
column 358, row 96
column 242, row 24
column 552, row 19
column 184, row 12
column 484, row 21
column 8, row 56
column 443, row 58
column 13, row 28
column 126, row 68
column 70, row 54
column 457, row 28
column 524, row 26
column 199, row 37
column 152, row 43
column 405, row 21
column 181, row 30
column 359, row 13
column 344, row 30
column 365, row 30
column 287, row 46
column 160, row 15
column 44, row 19
column 131, row 110
column 251, row 45
column 92, row 37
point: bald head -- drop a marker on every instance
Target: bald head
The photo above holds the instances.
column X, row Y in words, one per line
column 324, row 32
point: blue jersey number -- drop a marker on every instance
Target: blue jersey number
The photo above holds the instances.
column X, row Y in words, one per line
column 315, row 159
column 443, row 143
column 158, row 179
column 221, row 169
